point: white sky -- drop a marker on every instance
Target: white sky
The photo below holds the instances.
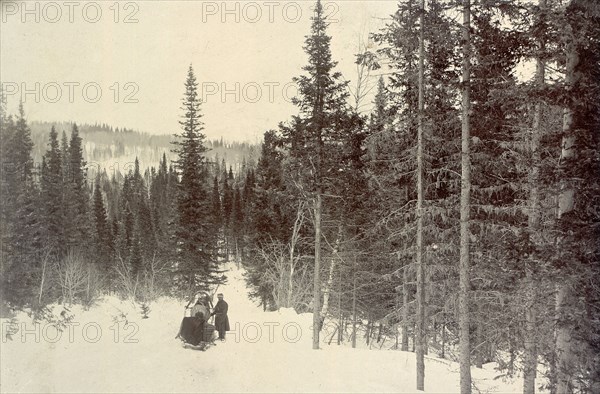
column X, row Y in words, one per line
column 263, row 49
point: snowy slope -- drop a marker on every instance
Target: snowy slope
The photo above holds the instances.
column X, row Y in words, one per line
column 264, row 352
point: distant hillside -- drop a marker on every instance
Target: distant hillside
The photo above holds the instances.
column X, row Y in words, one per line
column 116, row 148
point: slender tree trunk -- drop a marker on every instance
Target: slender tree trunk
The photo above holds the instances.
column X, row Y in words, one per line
column 428, row 322
column 405, row 310
column 317, row 278
column 340, row 316
column 443, row 353
column 530, row 361
column 44, row 264
column 530, row 367
column 479, row 343
column 88, row 284
column 237, row 254
column 566, row 202
column 512, row 351
column 329, row 284
column 354, row 313
column 465, row 206
column 420, row 323
column 290, row 284
column 295, row 234
column 369, row 328
column 565, row 359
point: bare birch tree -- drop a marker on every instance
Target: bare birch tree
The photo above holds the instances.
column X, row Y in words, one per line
column 465, row 206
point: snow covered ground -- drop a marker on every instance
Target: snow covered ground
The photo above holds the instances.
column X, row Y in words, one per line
column 110, row 348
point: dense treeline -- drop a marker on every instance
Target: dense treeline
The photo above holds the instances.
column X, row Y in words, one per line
column 368, row 210
column 108, row 146
column 461, row 216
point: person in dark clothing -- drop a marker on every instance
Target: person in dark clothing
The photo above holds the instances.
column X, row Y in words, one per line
column 192, row 327
column 221, row 319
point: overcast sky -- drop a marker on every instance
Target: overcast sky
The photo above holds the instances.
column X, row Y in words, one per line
column 132, row 74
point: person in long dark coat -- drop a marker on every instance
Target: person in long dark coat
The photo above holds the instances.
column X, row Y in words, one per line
column 221, row 319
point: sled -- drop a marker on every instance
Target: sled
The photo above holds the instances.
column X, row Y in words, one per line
column 208, row 340
column 190, row 332
column 203, row 346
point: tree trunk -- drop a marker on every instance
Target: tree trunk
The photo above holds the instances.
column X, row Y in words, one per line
column 420, row 323
column 295, row 234
column 465, row 205
column 290, row 284
column 480, row 350
column 566, row 202
column 332, row 267
column 354, row 313
column 530, row 357
column 530, row 367
column 405, row 311
column 340, row 316
column 317, row 279
column 512, row 350
column 87, row 291
column 368, row 333
column 443, row 353
column 552, row 375
column 565, row 359
column 44, row 264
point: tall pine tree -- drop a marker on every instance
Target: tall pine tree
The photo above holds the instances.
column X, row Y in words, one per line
column 196, row 239
column 322, row 103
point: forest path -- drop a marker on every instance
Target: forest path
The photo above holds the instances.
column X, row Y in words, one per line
column 265, row 352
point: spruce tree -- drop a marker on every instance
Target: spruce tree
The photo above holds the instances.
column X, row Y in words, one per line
column 52, row 197
column 76, row 193
column 197, row 243
column 247, row 201
column 6, row 212
column 145, row 231
column 322, row 104
column 162, row 208
column 20, row 148
column 266, row 219
column 237, row 220
column 392, row 158
column 266, row 213
column 20, row 231
column 216, row 204
column 103, row 233
column 227, row 205
column 126, row 232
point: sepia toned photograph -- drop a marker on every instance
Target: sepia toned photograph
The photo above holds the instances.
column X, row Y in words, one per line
column 300, row 196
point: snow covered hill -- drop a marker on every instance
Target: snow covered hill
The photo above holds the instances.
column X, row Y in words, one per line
column 111, row 348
